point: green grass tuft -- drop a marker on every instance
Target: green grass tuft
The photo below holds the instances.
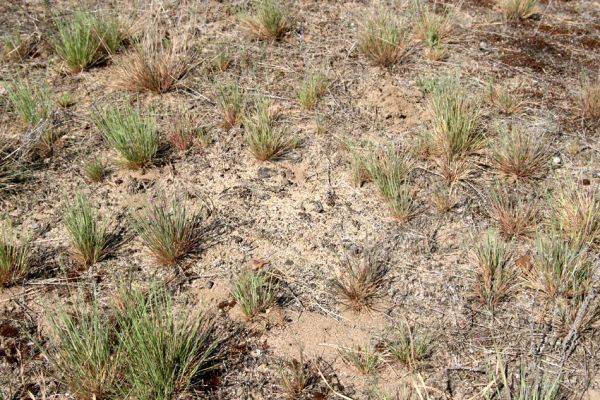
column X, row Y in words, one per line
column 312, row 88
column 85, row 38
column 32, row 104
column 133, row 135
column 269, row 21
column 88, row 239
column 14, row 256
column 168, row 231
column 383, row 40
column 265, row 140
column 254, row 291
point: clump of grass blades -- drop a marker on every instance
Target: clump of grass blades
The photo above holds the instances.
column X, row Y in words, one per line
column 427, row 21
column 164, row 352
column 183, row 131
column 383, row 40
column 82, row 350
column 409, row 347
column 514, row 216
column 156, row 63
column 14, row 256
column 455, row 130
column 231, row 104
column 221, row 59
column 560, row 268
column 520, row 156
column 65, row 100
column 254, row 291
column 85, row 38
column 15, row 46
column 12, row 171
column 390, row 171
column 360, row 283
column 94, row 170
column 295, row 378
column 516, row 10
column 576, row 214
column 432, row 29
column 494, row 277
column 269, row 21
column 503, row 99
column 132, row 134
column 367, row 359
column 590, row 98
column 312, row 88
column 32, row 104
column 265, row 140
column 531, row 384
column 169, row 232
column 88, row 239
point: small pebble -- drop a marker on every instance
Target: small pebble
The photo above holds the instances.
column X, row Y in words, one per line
column 556, row 160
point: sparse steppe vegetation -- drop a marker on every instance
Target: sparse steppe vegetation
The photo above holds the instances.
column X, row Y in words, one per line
column 271, row 199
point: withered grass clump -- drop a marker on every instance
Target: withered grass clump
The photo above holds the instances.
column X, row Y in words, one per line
column 94, row 170
column 383, row 40
column 296, row 377
column 590, row 98
column 576, row 214
column 517, row 10
column 520, row 156
column 169, row 231
column 270, row 20
column 16, row 46
column 514, row 216
column 495, row 273
column 360, row 283
column 432, row 29
column 507, row 102
column 157, row 63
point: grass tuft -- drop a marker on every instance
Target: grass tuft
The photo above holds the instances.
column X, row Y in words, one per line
column 367, row 359
column 409, row 347
column 383, row 40
column 503, row 99
column 85, row 38
column 295, row 378
column 312, row 88
column 32, row 104
column 455, row 128
column 165, row 352
column 265, row 140
column 360, row 283
column 520, row 156
column 269, row 21
column 168, row 231
column 517, row 10
column 142, row 349
column 157, row 63
column 576, row 214
column 183, row 132
column 88, row 239
column 390, row 170
column 82, row 350
column 432, row 29
column 494, row 275
column 94, row 170
column 515, row 217
column 132, row 134
column 16, row 46
column 231, row 104
column 14, row 256
column 589, row 98
column 254, row 292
